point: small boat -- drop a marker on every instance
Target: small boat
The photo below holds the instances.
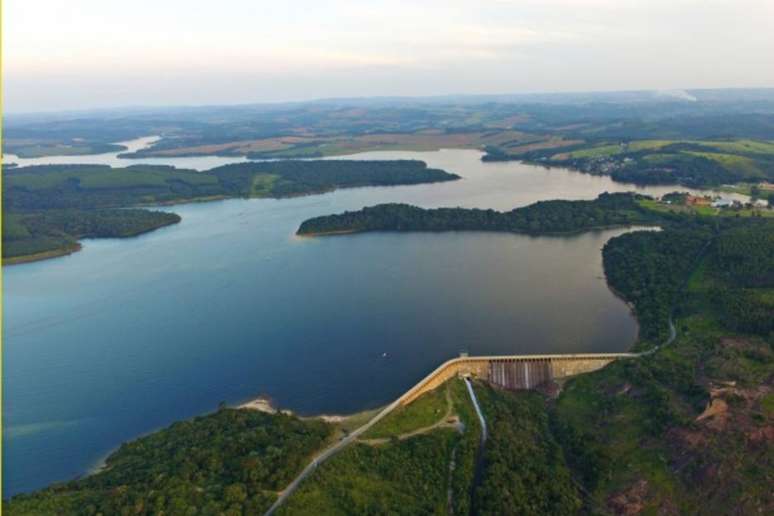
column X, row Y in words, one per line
column 384, row 355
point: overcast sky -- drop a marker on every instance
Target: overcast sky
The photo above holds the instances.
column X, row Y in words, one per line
column 79, row 54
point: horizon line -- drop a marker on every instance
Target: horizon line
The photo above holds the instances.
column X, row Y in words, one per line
column 279, row 103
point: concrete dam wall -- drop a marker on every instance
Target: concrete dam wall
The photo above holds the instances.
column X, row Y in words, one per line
column 513, row 371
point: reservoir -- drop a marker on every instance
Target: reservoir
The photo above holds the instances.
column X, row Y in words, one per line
column 127, row 336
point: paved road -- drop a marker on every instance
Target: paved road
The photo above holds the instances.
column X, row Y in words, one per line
column 328, row 453
column 670, row 339
column 345, row 441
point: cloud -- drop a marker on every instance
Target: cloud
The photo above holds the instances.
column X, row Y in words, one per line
column 378, row 47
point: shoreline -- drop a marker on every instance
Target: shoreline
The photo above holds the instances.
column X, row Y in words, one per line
column 644, row 225
column 41, row 256
column 729, row 188
column 57, row 253
column 261, row 403
column 265, row 404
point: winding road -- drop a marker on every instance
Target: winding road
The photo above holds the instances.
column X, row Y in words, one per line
column 353, row 436
column 327, row 453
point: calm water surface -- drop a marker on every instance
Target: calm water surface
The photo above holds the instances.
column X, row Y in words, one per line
column 127, row 336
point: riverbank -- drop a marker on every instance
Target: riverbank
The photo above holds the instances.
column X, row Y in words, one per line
column 45, row 255
column 43, row 209
column 128, row 224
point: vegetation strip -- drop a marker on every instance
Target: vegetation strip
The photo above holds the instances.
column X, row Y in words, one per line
column 545, row 217
column 47, row 209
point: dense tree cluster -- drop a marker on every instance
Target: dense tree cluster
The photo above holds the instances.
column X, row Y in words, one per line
column 401, row 477
column 649, row 269
column 742, row 272
column 418, row 475
column 635, row 423
column 675, row 169
column 737, row 275
column 744, row 256
column 542, row 217
column 37, row 232
column 524, row 470
column 294, row 177
column 54, row 205
column 231, row 462
column 744, row 310
column 96, row 186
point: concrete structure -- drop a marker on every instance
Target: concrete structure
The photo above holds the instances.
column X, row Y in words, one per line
column 513, row 371
column 509, row 371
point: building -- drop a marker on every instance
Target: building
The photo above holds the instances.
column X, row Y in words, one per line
column 693, row 200
column 722, row 202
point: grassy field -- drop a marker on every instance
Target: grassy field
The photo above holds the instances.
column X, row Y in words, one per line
column 725, row 148
column 705, row 211
column 606, row 150
column 741, row 164
column 743, row 146
column 654, row 161
column 104, row 177
column 423, row 412
column 320, row 145
column 25, row 149
column 263, row 184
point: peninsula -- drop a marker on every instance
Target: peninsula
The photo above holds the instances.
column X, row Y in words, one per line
column 47, row 209
column 545, row 217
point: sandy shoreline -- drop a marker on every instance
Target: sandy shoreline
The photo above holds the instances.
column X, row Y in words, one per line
column 264, row 404
column 261, row 404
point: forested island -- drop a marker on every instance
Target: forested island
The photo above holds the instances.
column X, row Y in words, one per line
column 607, row 210
column 46, row 209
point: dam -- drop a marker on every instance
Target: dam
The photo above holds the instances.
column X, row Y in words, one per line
column 513, row 372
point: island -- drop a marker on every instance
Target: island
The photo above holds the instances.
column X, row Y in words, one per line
column 48, row 208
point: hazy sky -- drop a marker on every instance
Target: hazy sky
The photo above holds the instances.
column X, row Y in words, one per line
column 97, row 53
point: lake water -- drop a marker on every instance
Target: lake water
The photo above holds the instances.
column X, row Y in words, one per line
column 130, row 335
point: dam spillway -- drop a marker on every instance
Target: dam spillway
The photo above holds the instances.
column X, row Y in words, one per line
column 519, row 374
column 513, row 372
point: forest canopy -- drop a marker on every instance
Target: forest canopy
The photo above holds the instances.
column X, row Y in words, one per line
column 48, row 208
column 607, row 210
